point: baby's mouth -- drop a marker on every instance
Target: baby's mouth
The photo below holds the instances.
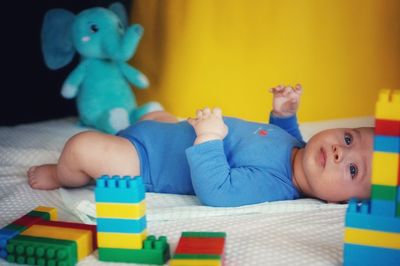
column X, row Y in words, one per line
column 322, row 157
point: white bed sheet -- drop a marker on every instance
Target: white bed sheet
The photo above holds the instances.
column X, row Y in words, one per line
column 300, row 232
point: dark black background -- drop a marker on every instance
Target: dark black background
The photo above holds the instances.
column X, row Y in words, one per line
column 31, row 91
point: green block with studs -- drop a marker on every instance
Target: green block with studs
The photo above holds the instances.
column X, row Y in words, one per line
column 154, row 251
column 42, row 251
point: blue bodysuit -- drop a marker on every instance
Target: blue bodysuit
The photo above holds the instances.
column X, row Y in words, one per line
column 251, row 165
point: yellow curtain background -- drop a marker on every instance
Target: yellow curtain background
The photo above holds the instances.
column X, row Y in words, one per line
column 228, row 53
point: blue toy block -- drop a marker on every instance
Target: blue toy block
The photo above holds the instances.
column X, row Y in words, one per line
column 387, row 144
column 359, row 215
column 119, row 190
column 121, row 225
column 373, row 222
column 355, row 255
column 5, row 236
column 383, row 207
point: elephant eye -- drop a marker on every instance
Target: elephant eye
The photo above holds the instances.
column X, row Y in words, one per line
column 94, row 28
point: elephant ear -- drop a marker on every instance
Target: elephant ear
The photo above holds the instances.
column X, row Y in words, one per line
column 57, row 46
column 120, row 11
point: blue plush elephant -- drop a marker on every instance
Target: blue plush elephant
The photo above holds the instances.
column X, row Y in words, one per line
column 100, row 82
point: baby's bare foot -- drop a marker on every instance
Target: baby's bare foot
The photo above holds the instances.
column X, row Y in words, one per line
column 43, row 177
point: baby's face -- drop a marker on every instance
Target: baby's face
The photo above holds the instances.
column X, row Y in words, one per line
column 337, row 163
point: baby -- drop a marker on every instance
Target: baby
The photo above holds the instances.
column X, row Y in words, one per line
column 223, row 161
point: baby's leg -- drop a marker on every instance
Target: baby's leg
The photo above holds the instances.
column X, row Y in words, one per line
column 87, row 155
column 160, row 116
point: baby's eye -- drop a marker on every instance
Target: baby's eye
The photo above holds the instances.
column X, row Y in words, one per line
column 353, row 170
column 348, row 138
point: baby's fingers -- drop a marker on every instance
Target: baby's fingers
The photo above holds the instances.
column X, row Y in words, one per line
column 217, row 111
column 277, row 89
column 298, row 88
column 199, row 113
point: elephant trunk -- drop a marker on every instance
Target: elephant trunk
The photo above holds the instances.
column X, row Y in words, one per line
column 129, row 42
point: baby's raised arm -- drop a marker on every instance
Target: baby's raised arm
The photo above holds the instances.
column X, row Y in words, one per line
column 286, row 100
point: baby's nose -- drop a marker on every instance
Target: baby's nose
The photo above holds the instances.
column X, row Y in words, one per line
column 337, row 153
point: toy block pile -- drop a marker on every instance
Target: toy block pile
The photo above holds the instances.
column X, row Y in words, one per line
column 199, row 248
column 38, row 239
column 372, row 233
column 121, row 223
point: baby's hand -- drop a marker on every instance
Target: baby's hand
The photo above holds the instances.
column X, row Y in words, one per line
column 286, row 100
column 208, row 125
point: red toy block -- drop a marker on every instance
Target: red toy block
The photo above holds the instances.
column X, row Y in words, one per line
column 192, row 245
column 202, row 243
column 387, row 127
column 28, row 220
column 73, row 225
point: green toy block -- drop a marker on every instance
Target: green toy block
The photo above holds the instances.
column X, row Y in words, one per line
column 204, row 234
column 153, row 252
column 42, row 251
column 44, row 215
column 15, row 227
column 384, row 192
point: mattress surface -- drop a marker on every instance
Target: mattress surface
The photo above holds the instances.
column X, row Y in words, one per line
column 300, row 232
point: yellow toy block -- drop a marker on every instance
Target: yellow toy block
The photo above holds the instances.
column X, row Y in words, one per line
column 83, row 238
column 388, row 105
column 121, row 240
column 385, row 167
column 51, row 211
column 188, row 262
column 121, row 210
column 372, row 238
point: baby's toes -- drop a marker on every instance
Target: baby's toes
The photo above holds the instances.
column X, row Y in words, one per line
column 31, row 171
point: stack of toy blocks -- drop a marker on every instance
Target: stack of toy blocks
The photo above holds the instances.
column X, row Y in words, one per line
column 199, row 248
column 40, row 240
column 372, row 234
column 121, row 223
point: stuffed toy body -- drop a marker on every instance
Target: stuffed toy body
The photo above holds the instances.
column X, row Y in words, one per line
column 101, row 81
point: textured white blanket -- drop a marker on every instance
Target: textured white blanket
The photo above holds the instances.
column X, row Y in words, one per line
column 301, row 232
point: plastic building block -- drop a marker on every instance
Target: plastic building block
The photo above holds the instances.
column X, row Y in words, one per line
column 120, row 190
column 383, row 208
column 199, row 248
column 15, row 227
column 121, row 225
column 195, row 262
column 28, row 220
column 118, row 210
column 372, row 238
column 372, row 233
column 83, row 238
column 19, row 225
column 388, row 105
column 358, row 255
column 51, row 211
column 359, row 216
column 5, row 236
column 385, row 168
column 387, row 127
column 389, row 144
column 121, row 240
column 155, row 251
column 384, row 192
column 210, row 243
column 90, row 227
column 42, row 251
